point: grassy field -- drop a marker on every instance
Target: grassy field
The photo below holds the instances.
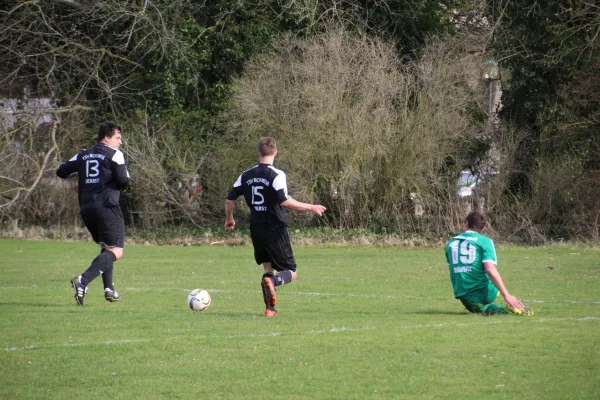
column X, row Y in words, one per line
column 358, row 323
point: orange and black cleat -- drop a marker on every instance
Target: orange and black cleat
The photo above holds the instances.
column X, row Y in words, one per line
column 270, row 313
column 269, row 290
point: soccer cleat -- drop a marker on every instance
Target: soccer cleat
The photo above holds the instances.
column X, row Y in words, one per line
column 111, row 295
column 269, row 290
column 270, row 313
column 80, row 290
column 525, row 312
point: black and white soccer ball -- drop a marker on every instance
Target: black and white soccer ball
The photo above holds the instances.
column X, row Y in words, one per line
column 199, row 300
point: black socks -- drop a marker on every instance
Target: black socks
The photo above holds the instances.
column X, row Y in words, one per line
column 267, row 275
column 101, row 264
column 107, row 277
column 282, row 278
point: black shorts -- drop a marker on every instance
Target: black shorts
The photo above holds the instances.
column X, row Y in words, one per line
column 272, row 245
column 106, row 225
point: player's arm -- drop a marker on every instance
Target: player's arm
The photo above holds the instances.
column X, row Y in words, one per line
column 234, row 193
column 229, row 221
column 119, row 169
column 68, row 168
column 285, row 200
column 492, row 271
column 299, row 206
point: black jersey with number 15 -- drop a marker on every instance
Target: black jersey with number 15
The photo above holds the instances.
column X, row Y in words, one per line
column 264, row 188
column 101, row 172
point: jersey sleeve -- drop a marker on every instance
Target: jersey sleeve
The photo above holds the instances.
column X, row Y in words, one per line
column 236, row 191
column 68, row 168
column 280, row 186
column 119, row 169
column 488, row 252
column 447, row 252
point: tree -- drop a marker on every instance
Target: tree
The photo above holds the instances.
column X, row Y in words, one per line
column 550, row 51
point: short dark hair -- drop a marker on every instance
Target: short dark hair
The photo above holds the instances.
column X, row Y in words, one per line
column 107, row 129
column 267, row 146
column 476, row 220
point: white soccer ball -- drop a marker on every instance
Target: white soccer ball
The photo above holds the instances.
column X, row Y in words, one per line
column 198, row 300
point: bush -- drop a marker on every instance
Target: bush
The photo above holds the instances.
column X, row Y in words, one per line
column 358, row 130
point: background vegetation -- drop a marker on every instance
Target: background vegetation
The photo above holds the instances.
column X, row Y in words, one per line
column 376, row 105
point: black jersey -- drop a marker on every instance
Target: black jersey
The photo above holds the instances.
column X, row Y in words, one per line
column 264, row 188
column 102, row 173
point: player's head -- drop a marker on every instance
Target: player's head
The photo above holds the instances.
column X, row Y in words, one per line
column 267, row 147
column 109, row 133
column 476, row 221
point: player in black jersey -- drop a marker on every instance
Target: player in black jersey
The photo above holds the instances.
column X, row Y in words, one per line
column 101, row 175
column 264, row 188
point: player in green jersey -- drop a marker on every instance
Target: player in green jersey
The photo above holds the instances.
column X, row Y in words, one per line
column 476, row 282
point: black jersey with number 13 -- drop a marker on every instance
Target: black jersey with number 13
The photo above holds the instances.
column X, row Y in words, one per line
column 101, row 172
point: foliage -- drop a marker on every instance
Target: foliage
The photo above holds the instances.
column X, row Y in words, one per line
column 29, row 189
column 406, row 23
column 543, row 47
column 115, row 56
column 173, row 62
column 550, row 52
column 359, row 131
column 170, row 73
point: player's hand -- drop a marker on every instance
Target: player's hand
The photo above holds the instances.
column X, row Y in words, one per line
column 230, row 225
column 317, row 209
column 513, row 302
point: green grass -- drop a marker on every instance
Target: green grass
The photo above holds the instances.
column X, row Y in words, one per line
column 358, row 323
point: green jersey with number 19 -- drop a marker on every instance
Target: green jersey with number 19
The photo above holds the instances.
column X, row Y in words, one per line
column 466, row 254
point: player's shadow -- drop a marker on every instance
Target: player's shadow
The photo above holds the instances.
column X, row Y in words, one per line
column 414, row 312
column 437, row 312
column 216, row 313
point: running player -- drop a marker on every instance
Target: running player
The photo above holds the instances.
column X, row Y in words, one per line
column 476, row 282
column 264, row 188
column 101, row 174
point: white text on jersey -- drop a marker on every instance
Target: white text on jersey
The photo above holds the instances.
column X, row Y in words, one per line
column 258, row 180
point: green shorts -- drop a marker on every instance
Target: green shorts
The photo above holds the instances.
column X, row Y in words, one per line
column 480, row 300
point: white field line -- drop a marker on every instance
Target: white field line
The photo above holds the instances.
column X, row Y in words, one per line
column 310, row 332
column 364, row 295
column 41, row 346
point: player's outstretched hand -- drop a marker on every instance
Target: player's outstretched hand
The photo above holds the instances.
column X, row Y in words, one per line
column 229, row 225
column 514, row 302
column 317, row 209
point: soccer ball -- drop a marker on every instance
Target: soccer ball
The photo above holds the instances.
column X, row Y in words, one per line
column 198, row 300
